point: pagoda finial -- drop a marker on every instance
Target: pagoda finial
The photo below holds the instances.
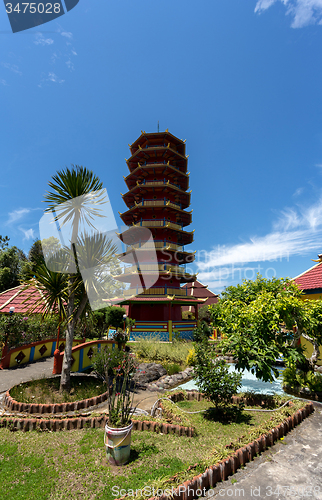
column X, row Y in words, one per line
column 158, row 126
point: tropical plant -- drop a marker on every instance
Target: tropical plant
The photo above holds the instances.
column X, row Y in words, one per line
column 68, row 202
column 106, row 360
column 118, row 368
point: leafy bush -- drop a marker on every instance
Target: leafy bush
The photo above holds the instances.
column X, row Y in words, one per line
column 19, row 330
column 201, row 333
column 297, row 379
column 114, row 316
column 213, row 378
column 172, row 368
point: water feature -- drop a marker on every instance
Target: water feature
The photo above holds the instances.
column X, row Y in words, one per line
column 250, row 383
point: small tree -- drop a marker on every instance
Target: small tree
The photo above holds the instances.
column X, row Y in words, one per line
column 114, row 316
column 257, row 319
column 213, row 377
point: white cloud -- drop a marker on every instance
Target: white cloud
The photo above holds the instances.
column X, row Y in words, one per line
column 12, row 67
column 70, row 65
column 304, row 12
column 3, row 82
column 296, row 232
column 41, row 40
column 17, row 215
column 67, row 34
column 54, row 78
column 298, row 192
column 29, row 234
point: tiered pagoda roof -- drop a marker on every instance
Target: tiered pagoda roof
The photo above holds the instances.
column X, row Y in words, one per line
column 157, row 199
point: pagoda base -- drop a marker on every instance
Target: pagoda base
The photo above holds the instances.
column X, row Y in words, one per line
column 166, row 331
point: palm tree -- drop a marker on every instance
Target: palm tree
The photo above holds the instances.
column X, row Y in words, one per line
column 70, row 205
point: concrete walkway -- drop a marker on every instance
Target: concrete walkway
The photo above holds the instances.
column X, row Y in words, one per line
column 291, row 469
column 23, row 373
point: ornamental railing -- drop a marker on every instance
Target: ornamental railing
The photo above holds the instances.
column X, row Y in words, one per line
column 154, row 267
column 156, row 291
column 158, row 223
column 157, row 244
column 157, row 203
column 159, row 183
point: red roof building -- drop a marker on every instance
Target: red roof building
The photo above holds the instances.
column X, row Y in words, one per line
column 310, row 282
column 21, row 299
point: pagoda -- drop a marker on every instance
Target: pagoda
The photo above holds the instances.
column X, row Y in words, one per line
column 157, row 218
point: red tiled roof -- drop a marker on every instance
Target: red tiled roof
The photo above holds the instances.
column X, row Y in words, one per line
column 15, row 297
column 310, row 279
column 197, row 289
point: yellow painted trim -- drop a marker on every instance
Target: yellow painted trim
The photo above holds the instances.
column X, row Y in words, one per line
column 170, row 329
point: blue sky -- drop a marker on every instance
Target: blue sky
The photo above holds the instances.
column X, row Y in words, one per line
column 240, row 80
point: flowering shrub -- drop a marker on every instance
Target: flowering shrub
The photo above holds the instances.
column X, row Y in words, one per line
column 19, row 330
column 107, row 360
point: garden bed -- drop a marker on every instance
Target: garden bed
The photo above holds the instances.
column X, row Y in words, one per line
column 43, row 396
column 74, row 463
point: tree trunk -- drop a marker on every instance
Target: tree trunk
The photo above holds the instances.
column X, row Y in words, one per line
column 72, row 317
column 67, row 360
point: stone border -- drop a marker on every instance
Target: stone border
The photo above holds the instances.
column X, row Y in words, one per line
column 81, row 422
column 167, row 381
column 14, row 405
column 228, row 466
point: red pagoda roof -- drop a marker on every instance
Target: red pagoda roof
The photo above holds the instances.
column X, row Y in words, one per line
column 16, row 297
column 310, row 279
column 168, row 298
column 200, row 291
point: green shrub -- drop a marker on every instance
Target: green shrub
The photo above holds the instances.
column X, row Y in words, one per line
column 201, row 333
column 172, row 368
column 297, row 379
column 213, row 378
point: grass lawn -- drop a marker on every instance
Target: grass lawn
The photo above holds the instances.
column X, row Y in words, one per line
column 72, row 464
column 46, row 390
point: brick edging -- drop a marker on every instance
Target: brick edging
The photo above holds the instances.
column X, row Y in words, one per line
column 58, row 424
column 14, row 405
column 229, row 465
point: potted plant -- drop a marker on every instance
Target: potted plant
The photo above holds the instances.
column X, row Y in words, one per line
column 120, row 337
column 117, row 437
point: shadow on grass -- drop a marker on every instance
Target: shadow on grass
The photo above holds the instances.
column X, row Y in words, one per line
column 227, row 414
column 141, row 450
